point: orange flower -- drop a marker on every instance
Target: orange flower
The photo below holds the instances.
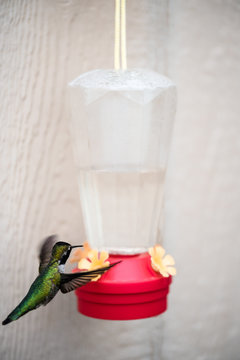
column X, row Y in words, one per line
column 94, row 260
column 80, row 254
column 160, row 263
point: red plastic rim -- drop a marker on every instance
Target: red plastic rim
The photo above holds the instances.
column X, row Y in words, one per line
column 130, row 290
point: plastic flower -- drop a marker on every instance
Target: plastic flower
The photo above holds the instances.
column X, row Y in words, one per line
column 80, row 254
column 94, row 260
column 160, row 263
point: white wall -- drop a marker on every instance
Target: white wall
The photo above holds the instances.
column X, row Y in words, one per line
column 44, row 44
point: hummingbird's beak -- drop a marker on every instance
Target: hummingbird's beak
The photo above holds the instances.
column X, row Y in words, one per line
column 74, row 246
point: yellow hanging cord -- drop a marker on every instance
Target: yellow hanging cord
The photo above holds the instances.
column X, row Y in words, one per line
column 117, row 36
column 123, row 35
column 120, row 31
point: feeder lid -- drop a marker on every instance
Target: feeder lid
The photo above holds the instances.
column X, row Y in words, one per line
column 139, row 85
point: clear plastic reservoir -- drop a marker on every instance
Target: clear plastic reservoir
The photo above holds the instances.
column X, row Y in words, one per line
column 121, row 131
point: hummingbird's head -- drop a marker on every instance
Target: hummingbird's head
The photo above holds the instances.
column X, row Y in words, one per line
column 61, row 251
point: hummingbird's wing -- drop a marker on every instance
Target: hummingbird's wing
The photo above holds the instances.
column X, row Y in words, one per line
column 46, row 251
column 70, row 282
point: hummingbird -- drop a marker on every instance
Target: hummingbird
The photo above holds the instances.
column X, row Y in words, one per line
column 53, row 256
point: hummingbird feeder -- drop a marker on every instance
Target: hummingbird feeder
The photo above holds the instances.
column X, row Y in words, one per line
column 122, row 121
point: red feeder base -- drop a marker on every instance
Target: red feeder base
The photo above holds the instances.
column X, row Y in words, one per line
column 130, row 290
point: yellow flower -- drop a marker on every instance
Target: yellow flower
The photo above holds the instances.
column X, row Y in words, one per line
column 160, row 263
column 94, row 260
column 80, row 254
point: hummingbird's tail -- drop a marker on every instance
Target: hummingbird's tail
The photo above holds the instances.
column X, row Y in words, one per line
column 25, row 306
column 14, row 315
column 7, row 321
